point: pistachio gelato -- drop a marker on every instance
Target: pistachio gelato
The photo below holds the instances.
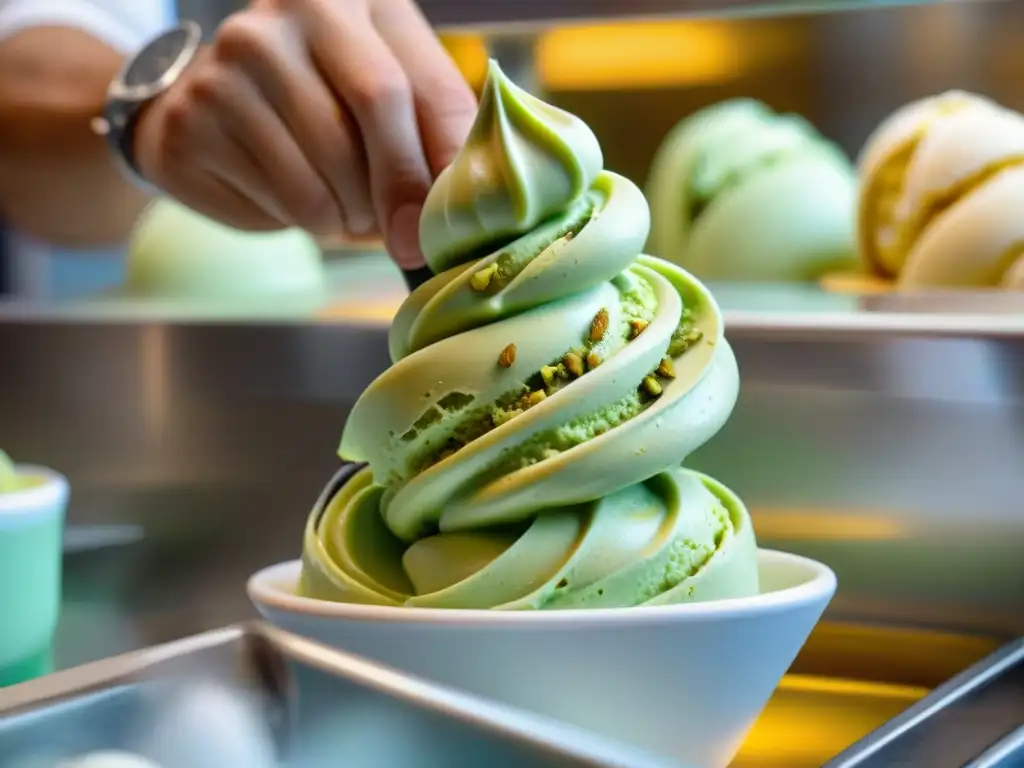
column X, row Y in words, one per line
column 523, row 451
column 11, row 480
column 178, row 254
column 941, row 189
column 741, row 193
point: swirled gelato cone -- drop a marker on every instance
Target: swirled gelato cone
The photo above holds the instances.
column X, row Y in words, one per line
column 524, row 448
column 741, row 193
column 942, row 185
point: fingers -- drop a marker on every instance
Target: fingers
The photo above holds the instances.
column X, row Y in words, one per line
column 280, row 65
column 331, row 115
column 229, row 161
column 301, row 191
column 445, row 104
column 166, row 152
column 363, row 71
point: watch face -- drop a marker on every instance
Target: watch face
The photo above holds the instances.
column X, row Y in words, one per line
column 156, row 59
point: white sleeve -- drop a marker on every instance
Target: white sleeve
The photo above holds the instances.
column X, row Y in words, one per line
column 122, row 24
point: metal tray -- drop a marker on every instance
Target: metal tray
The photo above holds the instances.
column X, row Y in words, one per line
column 976, row 720
column 317, row 707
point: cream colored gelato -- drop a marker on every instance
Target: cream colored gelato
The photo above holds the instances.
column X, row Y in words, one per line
column 942, row 190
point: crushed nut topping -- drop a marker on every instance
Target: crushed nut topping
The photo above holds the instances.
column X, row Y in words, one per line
column 482, row 279
column 636, row 327
column 599, row 325
column 573, row 364
column 507, row 356
column 652, row 386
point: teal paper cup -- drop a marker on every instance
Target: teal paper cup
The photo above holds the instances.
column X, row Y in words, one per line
column 31, row 549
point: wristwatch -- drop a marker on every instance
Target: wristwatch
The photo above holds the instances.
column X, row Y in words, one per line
column 145, row 76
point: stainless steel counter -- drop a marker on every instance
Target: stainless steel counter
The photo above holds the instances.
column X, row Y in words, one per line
column 889, row 445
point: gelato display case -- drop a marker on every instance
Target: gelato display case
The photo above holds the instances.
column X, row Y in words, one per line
column 877, row 431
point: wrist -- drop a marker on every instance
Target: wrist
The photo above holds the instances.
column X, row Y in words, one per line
column 136, row 91
column 142, row 138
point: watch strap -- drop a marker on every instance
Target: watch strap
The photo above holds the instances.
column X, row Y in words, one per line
column 127, row 102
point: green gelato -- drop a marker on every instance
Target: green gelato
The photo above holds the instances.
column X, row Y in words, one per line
column 524, row 448
column 10, row 479
column 178, row 254
column 741, row 193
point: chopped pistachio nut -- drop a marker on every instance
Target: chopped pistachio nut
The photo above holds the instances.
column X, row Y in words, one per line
column 651, row 386
column 593, row 360
column 683, row 339
column 599, row 325
column 636, row 327
column 507, row 356
column 535, row 397
column 573, row 364
column 548, row 373
column 665, row 369
column 482, row 279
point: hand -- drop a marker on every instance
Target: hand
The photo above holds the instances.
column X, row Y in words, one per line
column 331, row 115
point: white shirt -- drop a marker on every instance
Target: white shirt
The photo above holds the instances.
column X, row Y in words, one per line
column 40, row 270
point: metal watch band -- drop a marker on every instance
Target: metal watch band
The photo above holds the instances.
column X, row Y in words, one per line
column 154, row 69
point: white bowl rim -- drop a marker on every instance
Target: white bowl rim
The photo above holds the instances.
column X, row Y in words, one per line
column 820, row 584
column 36, row 499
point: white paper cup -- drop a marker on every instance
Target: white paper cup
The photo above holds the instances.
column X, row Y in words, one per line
column 686, row 681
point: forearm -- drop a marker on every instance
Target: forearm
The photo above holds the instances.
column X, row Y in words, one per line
column 57, row 180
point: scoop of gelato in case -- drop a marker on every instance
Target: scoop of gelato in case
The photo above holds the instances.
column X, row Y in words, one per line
column 524, row 449
column 941, row 190
column 177, row 253
column 740, row 193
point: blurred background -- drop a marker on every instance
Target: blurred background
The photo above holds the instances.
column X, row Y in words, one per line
column 884, row 437
column 844, row 67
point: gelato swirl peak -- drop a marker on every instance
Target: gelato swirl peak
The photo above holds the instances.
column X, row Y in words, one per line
column 523, row 162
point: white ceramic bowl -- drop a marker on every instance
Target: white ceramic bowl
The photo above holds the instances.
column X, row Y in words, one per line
column 685, row 681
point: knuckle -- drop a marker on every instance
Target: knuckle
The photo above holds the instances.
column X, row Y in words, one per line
column 206, row 89
column 377, row 91
column 311, row 206
column 407, row 181
column 177, row 119
column 241, row 36
column 449, row 99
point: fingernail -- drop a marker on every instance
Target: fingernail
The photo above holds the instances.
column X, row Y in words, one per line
column 360, row 225
column 404, row 237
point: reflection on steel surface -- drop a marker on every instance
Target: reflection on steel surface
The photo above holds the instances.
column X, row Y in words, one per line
column 246, row 695
column 894, row 459
column 975, row 720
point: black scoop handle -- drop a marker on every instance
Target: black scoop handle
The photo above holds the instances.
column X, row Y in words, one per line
column 414, row 278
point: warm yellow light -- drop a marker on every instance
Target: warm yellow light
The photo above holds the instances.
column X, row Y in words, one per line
column 374, row 312
column 638, row 55
column 810, row 719
column 627, row 55
column 470, row 55
column 835, row 686
column 825, row 525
